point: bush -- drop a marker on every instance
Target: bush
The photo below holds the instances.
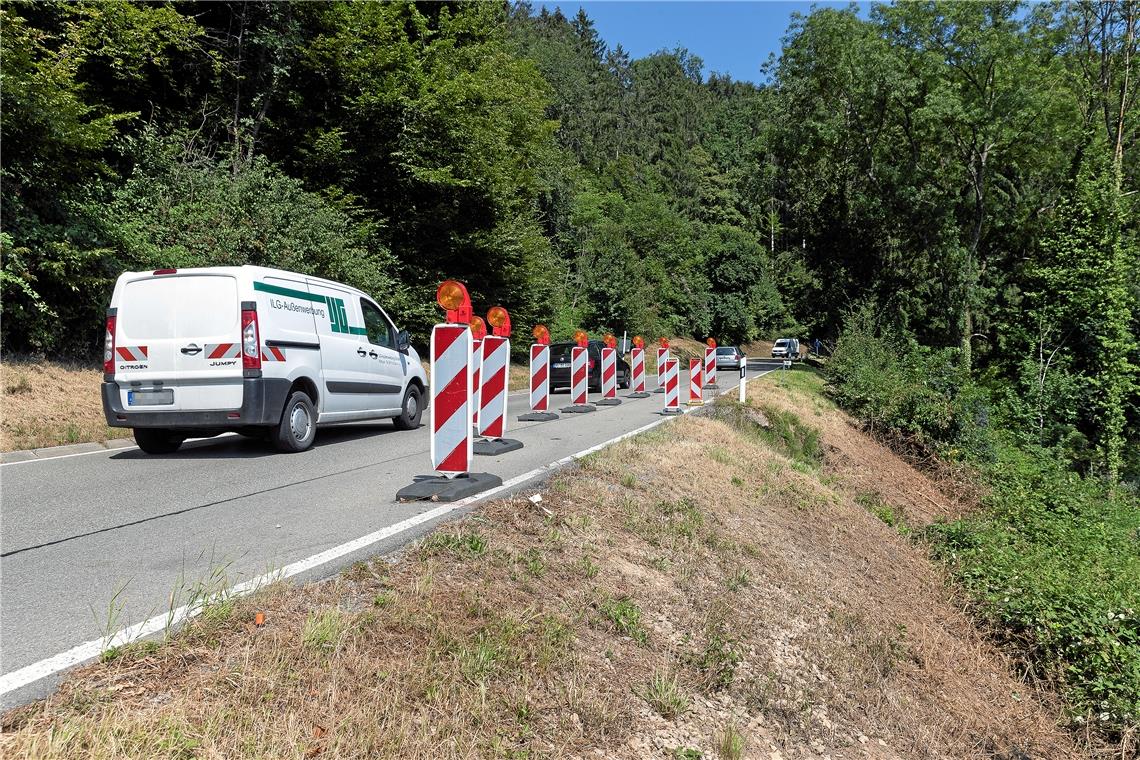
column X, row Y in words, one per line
column 895, row 385
column 1055, row 560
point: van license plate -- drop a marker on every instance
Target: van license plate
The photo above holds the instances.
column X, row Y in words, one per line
column 150, row 398
column 561, row 365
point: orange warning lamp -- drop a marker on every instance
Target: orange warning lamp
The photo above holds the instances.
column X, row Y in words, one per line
column 541, row 335
column 478, row 328
column 637, row 341
column 500, row 321
column 452, row 297
column 663, row 342
column 581, row 338
column 610, row 340
column 710, row 343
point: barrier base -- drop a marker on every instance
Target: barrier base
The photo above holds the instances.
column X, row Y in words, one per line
column 658, row 390
column 579, row 409
column 694, row 403
column 537, row 417
column 671, row 412
column 712, row 386
column 440, row 488
column 608, row 402
column 638, row 394
column 489, row 447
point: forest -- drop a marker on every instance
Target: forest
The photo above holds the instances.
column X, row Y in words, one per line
column 964, row 172
column 944, row 193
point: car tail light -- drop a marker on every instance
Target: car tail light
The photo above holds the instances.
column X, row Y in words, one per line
column 591, row 364
column 109, row 347
column 164, row 271
column 250, row 340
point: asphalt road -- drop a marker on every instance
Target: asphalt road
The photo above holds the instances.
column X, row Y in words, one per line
column 94, row 543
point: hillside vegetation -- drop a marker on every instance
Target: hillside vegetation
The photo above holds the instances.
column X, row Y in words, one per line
column 740, row 584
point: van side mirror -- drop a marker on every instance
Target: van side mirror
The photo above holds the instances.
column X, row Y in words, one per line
column 403, row 341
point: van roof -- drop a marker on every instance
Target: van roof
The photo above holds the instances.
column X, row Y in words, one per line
column 245, row 270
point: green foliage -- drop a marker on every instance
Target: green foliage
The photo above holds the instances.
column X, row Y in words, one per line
column 624, row 616
column 1055, row 560
column 897, row 386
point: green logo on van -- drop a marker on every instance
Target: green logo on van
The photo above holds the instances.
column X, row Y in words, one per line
column 337, row 314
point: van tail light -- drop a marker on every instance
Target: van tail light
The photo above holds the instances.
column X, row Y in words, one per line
column 109, row 346
column 592, row 364
column 250, row 340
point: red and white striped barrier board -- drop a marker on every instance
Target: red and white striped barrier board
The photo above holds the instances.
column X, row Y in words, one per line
column 493, row 394
column 223, row 350
column 637, row 367
column 662, row 357
column 271, row 354
column 609, row 373
column 539, row 377
column 476, row 379
column 578, row 375
column 451, row 349
column 131, row 353
column 696, row 383
column 710, row 365
column 669, row 374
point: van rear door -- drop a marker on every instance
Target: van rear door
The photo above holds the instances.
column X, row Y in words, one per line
column 178, row 342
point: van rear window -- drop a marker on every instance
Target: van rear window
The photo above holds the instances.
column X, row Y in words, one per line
column 180, row 307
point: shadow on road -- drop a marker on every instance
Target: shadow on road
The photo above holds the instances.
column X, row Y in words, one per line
column 239, row 447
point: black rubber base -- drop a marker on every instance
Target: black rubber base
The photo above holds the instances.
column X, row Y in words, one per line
column 712, row 386
column 671, row 412
column 439, row 488
column 579, row 409
column 639, row 394
column 489, row 447
column 608, row 402
column 538, row 417
column 658, row 390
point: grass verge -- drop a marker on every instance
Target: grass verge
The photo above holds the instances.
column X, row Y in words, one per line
column 726, row 601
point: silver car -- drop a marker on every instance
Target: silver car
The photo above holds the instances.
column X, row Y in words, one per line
column 728, row 357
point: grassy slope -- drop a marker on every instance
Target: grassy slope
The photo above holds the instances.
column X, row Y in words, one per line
column 49, row 404
column 711, row 585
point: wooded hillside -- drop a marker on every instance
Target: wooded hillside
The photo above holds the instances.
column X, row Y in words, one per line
column 964, row 173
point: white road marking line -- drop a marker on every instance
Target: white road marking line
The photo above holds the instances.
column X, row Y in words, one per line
column 92, row 649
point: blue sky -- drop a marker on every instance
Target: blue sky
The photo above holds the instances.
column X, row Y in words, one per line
column 731, row 37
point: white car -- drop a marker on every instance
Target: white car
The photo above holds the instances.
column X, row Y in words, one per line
column 786, row 348
column 193, row 353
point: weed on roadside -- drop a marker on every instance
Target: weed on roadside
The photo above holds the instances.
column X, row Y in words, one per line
column 324, row 631
column 730, row 743
column 624, row 616
column 663, row 693
column 462, row 544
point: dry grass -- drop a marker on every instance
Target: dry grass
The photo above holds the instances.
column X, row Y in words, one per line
column 688, row 589
column 49, row 404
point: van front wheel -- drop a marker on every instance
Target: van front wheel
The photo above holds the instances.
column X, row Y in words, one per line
column 409, row 418
column 157, row 440
column 298, row 426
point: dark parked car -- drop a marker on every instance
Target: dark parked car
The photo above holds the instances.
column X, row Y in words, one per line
column 560, row 366
column 728, row 357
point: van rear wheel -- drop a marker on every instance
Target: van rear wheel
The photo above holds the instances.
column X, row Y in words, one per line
column 411, row 410
column 157, row 440
column 298, row 426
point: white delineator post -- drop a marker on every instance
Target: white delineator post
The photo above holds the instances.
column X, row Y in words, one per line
column 672, row 389
column 743, row 377
column 449, row 410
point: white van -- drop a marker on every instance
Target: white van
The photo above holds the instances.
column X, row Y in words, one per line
column 257, row 351
column 786, row 348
